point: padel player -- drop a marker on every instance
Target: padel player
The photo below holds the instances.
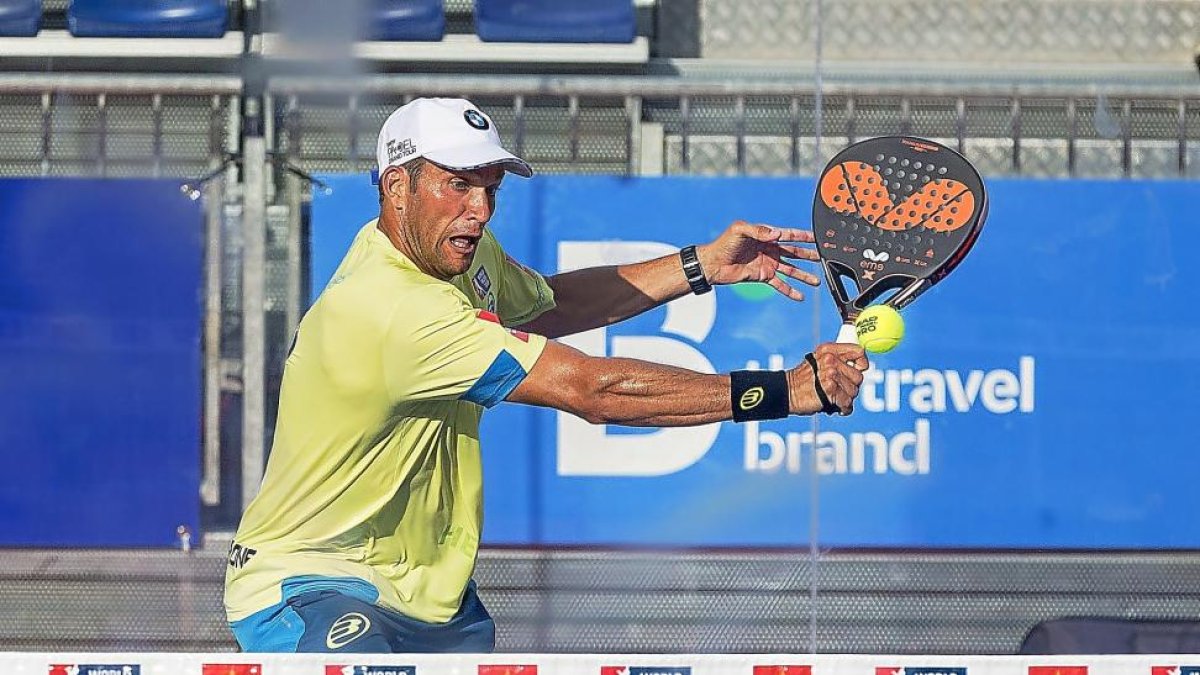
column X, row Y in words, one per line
column 364, row 535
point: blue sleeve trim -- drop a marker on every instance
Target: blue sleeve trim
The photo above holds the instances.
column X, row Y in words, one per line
column 497, row 382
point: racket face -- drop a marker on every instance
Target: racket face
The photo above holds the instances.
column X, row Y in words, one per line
column 892, row 216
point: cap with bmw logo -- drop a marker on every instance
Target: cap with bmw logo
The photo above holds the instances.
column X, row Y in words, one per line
column 451, row 132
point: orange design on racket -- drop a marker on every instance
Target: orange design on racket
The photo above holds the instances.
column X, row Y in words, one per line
column 857, row 189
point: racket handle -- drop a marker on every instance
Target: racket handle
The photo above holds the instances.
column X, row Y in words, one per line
column 846, row 335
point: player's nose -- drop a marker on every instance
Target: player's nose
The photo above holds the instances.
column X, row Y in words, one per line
column 479, row 205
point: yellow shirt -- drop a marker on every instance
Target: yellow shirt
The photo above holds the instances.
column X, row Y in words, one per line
column 375, row 469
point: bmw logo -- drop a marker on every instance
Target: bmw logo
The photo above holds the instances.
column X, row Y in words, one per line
column 476, row 119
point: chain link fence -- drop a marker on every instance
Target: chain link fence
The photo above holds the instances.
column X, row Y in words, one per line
column 959, row 33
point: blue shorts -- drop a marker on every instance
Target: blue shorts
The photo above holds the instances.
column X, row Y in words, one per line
column 340, row 616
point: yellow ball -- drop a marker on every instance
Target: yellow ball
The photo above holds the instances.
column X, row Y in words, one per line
column 879, row 329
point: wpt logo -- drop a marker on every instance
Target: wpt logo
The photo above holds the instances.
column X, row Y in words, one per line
column 370, row 670
column 919, row 670
column 588, row 449
column 95, row 669
column 882, row 256
column 645, row 670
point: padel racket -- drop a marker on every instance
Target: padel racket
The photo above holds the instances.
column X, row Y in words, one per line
column 892, row 217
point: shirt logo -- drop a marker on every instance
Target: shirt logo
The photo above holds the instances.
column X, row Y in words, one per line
column 482, row 283
column 476, row 119
column 239, row 555
column 751, row 398
column 347, row 629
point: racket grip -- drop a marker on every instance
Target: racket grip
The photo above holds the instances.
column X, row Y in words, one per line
column 846, row 335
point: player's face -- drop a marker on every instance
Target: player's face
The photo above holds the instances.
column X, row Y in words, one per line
column 446, row 215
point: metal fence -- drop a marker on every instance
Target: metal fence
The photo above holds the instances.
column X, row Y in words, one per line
column 680, row 126
column 614, row 602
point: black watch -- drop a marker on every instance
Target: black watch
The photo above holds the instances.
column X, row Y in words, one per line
column 693, row 271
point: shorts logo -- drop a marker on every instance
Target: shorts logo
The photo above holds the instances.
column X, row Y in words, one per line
column 347, row 629
column 751, row 398
column 476, row 119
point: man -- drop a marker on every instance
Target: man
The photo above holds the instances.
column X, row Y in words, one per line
column 365, row 533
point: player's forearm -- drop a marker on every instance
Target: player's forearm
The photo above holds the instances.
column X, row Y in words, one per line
column 642, row 394
column 601, row 296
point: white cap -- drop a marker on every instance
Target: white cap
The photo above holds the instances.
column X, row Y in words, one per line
column 451, row 132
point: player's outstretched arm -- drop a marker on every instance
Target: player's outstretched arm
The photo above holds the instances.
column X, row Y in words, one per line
column 639, row 393
column 600, row 296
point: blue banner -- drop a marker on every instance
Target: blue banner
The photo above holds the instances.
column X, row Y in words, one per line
column 100, row 315
column 1038, row 400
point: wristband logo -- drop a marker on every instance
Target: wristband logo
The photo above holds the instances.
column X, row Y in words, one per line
column 751, row 398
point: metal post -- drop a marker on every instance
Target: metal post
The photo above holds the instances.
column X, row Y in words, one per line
column 519, row 124
column 1015, row 122
column 685, row 115
column 739, row 122
column 1127, row 137
column 294, row 195
column 573, row 121
column 960, row 124
column 214, row 209
column 254, row 338
column 221, row 125
column 794, row 132
column 47, row 129
column 633, row 137
column 102, row 135
column 1072, row 132
column 1182, row 115
column 157, row 111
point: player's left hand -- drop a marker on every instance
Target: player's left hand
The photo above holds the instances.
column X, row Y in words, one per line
column 754, row 252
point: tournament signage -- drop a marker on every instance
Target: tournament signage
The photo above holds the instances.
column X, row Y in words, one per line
column 1032, row 404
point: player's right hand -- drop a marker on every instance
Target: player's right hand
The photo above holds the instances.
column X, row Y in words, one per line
column 840, row 370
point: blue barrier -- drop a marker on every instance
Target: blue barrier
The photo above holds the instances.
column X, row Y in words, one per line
column 1041, row 398
column 100, row 314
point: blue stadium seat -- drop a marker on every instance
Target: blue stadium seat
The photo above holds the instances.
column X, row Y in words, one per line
column 20, row 18
column 555, row 20
column 148, row 18
column 421, row 20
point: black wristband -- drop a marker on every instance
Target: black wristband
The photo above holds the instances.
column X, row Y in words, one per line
column 758, row 395
column 827, row 406
column 693, row 271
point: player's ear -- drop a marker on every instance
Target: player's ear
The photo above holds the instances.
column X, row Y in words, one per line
column 394, row 185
